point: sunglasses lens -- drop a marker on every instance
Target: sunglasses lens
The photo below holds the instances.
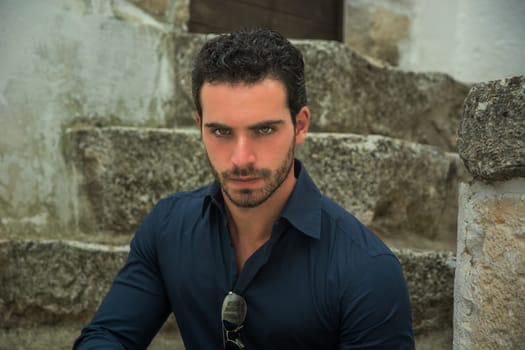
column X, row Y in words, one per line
column 233, row 315
column 233, row 311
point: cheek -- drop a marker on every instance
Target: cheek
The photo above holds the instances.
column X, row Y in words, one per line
column 215, row 150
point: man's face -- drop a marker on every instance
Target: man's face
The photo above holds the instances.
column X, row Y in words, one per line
column 249, row 139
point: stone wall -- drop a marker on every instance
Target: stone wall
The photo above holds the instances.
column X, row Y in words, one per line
column 489, row 294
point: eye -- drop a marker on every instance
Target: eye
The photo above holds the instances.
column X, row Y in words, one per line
column 221, row 132
column 265, row 130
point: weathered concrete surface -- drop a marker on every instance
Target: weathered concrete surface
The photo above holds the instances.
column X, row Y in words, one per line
column 65, row 61
column 491, row 135
column 45, row 282
column 395, row 187
column 489, row 292
column 347, row 93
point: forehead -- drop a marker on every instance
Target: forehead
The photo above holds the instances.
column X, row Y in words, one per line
column 240, row 101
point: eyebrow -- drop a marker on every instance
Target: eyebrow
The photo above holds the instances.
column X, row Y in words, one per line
column 213, row 125
column 216, row 126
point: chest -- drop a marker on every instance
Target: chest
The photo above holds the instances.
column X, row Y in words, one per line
column 284, row 282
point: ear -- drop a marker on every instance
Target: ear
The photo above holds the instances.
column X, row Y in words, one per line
column 198, row 120
column 302, row 122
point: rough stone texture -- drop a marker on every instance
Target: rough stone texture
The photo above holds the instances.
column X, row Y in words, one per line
column 352, row 94
column 123, row 172
column 347, row 93
column 489, row 293
column 376, row 31
column 393, row 186
column 75, row 277
column 430, row 280
column 491, row 135
column 44, row 282
column 62, row 337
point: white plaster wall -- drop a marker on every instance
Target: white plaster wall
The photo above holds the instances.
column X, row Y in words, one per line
column 59, row 61
column 491, row 39
column 472, row 40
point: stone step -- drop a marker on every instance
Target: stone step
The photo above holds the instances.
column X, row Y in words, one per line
column 403, row 191
column 62, row 336
column 348, row 93
column 51, row 282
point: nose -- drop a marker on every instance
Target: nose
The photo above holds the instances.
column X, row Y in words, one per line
column 242, row 154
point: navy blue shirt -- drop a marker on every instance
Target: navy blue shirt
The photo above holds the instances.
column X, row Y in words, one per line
column 322, row 281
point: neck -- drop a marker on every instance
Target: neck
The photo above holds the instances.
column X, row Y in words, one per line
column 253, row 223
column 250, row 228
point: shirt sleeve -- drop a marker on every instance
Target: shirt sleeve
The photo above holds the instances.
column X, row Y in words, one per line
column 136, row 306
column 375, row 308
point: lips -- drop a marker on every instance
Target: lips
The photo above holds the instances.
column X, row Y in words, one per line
column 246, row 179
column 243, row 181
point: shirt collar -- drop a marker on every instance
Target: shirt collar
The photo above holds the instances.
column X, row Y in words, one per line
column 302, row 210
column 213, row 195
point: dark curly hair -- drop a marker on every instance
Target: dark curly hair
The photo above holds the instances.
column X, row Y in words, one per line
column 249, row 56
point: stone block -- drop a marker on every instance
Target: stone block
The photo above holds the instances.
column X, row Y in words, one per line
column 122, row 172
column 430, row 280
column 393, row 186
column 348, row 93
column 44, row 282
column 397, row 188
column 491, row 135
column 489, row 292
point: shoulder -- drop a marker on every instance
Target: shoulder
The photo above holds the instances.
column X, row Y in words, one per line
column 189, row 202
column 170, row 215
column 361, row 264
column 355, row 253
column 342, row 228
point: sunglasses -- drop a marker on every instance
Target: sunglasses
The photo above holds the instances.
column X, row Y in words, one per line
column 233, row 315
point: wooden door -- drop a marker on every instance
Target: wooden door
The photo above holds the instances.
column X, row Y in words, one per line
column 304, row 19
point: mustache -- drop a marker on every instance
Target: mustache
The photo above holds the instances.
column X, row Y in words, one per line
column 245, row 172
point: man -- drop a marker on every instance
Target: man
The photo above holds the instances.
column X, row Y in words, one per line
column 259, row 259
